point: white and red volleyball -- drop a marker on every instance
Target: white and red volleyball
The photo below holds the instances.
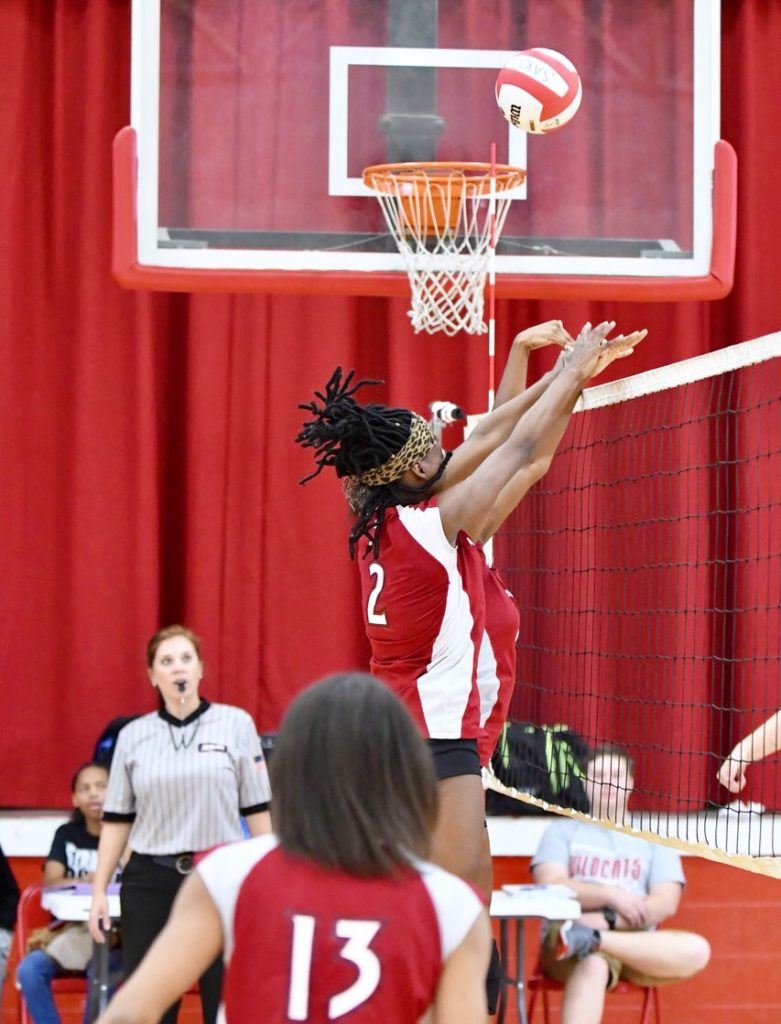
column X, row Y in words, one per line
column 538, row 90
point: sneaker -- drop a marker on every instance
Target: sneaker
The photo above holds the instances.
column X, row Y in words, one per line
column 575, row 940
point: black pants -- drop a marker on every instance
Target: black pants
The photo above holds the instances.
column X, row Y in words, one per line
column 454, row 757
column 146, row 895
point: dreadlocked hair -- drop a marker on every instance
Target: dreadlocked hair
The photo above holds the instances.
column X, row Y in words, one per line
column 351, row 437
column 356, row 440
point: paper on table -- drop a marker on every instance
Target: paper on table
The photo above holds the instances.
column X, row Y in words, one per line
column 85, row 888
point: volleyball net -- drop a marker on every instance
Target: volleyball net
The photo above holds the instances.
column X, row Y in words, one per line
column 647, row 570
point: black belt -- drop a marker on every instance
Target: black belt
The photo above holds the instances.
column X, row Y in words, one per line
column 181, row 862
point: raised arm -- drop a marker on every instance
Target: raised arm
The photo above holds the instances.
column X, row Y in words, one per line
column 529, row 474
column 513, row 399
column 468, row 505
column 762, row 742
column 513, row 382
column 493, row 430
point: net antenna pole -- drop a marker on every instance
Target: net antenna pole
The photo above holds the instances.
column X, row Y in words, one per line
column 488, row 547
column 492, row 281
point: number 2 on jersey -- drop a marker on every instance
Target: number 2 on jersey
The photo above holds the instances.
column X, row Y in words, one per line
column 359, row 935
column 374, row 617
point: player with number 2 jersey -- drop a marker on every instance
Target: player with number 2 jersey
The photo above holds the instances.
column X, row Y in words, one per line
column 419, row 514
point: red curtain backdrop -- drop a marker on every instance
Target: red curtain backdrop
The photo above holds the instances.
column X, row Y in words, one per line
column 148, row 468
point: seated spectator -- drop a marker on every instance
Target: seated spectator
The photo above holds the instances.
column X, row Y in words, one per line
column 73, row 856
column 626, row 887
column 9, row 897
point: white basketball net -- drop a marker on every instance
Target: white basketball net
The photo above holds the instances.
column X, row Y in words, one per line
column 441, row 222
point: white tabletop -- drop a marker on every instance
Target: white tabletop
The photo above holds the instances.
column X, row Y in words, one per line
column 70, row 905
column 553, row 903
column 29, row 833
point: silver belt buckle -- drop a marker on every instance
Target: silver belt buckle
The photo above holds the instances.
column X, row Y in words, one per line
column 184, row 863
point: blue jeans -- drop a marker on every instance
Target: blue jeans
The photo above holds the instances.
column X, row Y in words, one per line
column 35, row 975
column 5, row 948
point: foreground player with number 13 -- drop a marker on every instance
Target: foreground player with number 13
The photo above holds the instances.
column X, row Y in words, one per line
column 338, row 915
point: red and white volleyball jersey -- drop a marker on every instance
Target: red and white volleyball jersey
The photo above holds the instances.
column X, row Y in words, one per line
column 424, row 610
column 496, row 660
column 303, row 943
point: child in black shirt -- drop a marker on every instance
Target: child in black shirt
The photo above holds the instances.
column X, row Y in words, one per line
column 73, row 855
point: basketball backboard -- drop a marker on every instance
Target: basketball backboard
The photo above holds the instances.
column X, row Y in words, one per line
column 251, row 121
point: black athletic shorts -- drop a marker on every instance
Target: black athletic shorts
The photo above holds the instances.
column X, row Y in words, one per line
column 454, row 757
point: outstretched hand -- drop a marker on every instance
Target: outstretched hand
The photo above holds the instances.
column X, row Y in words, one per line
column 732, row 775
column 592, row 351
column 584, row 353
column 552, row 332
column 618, row 348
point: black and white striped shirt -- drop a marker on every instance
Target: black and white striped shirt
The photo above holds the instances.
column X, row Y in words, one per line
column 183, row 784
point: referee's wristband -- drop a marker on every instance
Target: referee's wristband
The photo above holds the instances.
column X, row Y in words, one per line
column 610, row 916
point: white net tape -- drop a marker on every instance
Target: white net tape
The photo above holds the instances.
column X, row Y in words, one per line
column 442, row 227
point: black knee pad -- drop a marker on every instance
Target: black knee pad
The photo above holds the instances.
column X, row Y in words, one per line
column 493, row 980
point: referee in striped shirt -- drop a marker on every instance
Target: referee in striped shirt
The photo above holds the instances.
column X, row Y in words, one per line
column 180, row 779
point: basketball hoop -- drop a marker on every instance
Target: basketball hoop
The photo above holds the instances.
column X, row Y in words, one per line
column 445, row 218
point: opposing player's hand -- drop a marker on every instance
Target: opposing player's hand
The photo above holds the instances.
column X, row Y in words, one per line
column 552, row 332
column 619, row 347
column 732, row 775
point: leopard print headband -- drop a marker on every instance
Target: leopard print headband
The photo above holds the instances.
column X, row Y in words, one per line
column 417, row 446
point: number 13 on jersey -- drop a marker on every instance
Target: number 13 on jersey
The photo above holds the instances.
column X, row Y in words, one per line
column 358, row 936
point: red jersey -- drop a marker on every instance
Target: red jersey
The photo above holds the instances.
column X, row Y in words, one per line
column 424, row 610
column 304, row 943
column 496, row 660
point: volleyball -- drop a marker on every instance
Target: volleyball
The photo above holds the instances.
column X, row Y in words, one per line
column 538, row 90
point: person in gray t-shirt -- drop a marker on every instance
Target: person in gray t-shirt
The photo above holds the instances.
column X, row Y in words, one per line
column 626, row 887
